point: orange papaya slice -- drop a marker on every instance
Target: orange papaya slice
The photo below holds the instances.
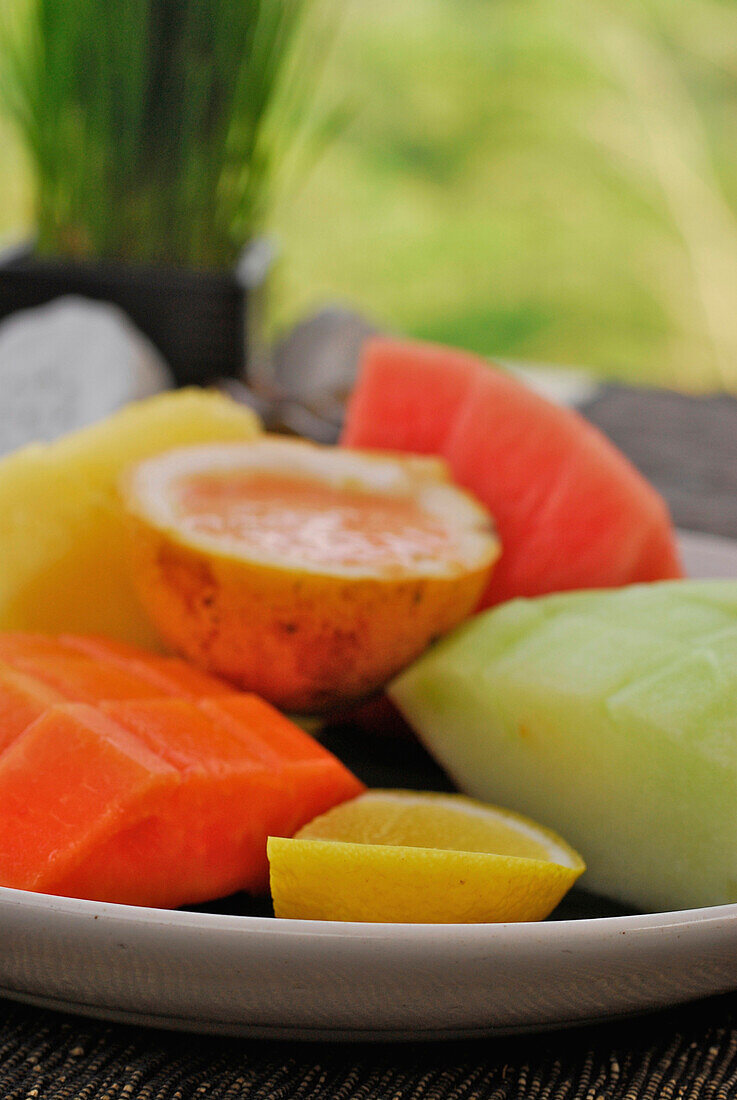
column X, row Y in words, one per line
column 68, row 783
column 23, row 699
column 89, row 669
column 313, row 779
column 206, row 837
column 78, row 678
column 147, row 797
column 170, row 675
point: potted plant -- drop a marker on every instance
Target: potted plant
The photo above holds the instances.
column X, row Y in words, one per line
column 158, row 132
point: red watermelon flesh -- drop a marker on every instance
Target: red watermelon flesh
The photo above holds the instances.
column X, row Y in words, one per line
column 408, row 396
column 571, row 510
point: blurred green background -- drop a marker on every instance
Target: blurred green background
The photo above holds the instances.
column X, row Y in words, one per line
column 548, row 181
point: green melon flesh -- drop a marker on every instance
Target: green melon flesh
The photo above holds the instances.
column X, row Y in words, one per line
column 609, row 716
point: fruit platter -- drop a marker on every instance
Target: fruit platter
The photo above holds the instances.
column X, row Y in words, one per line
column 428, row 734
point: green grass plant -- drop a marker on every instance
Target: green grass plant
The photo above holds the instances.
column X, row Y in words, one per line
column 157, row 130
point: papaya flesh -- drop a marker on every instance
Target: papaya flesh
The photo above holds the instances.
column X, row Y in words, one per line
column 234, row 789
column 67, row 784
column 155, row 785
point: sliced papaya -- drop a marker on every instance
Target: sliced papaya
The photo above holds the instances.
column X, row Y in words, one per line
column 204, row 838
column 82, row 679
column 313, row 779
column 207, row 836
column 67, row 784
column 89, row 669
column 170, row 674
column 23, row 699
column 162, row 793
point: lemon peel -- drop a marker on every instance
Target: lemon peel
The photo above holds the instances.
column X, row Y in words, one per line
column 420, row 857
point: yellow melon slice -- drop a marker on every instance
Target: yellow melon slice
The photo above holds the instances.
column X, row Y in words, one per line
column 61, row 524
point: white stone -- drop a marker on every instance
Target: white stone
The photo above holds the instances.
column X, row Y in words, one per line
column 68, row 364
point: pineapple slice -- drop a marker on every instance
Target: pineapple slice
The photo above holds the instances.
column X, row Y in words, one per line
column 62, row 529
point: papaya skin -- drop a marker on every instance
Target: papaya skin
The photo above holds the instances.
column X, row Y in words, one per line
column 307, row 642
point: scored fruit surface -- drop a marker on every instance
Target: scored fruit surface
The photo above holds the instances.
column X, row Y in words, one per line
column 307, row 574
column 238, row 779
column 61, row 524
column 571, row 510
column 134, row 778
column 610, row 717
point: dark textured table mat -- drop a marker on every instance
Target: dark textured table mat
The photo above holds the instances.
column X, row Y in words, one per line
column 686, row 1054
column 688, row 447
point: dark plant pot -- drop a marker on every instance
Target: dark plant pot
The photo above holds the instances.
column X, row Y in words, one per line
column 206, row 324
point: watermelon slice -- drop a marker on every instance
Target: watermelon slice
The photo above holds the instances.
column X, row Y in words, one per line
column 408, row 396
column 571, row 510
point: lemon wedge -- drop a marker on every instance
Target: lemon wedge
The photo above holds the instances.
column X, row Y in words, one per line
column 418, row 857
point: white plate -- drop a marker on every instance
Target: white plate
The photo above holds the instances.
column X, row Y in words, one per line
column 320, row 980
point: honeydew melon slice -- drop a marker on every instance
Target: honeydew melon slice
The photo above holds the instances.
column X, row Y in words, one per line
column 609, row 716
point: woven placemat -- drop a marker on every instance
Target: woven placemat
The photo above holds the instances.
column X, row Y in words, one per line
column 687, row 1053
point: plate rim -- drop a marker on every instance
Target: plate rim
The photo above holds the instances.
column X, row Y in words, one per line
column 153, row 918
